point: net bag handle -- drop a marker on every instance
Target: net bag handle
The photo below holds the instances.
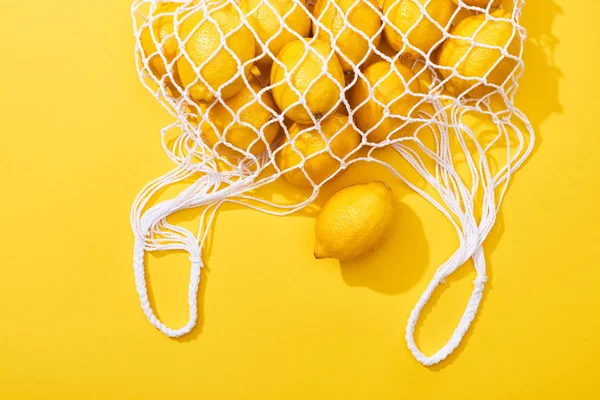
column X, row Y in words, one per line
column 153, row 233
column 141, row 287
column 454, row 262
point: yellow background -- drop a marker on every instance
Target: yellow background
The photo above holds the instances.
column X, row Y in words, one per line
column 80, row 137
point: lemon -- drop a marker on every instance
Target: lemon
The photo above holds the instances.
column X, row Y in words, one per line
column 355, row 14
column 461, row 14
column 161, row 33
column 392, row 88
column 354, row 221
column 475, row 61
column 425, row 75
column 384, row 48
column 204, row 45
column 309, row 145
column 481, row 3
column 265, row 17
column 302, row 69
column 406, row 19
column 255, row 130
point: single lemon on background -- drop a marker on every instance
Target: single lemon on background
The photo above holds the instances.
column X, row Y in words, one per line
column 354, row 221
column 395, row 86
column 303, row 64
column 480, row 3
column 266, row 23
column 158, row 39
column 470, row 59
column 263, row 130
column 361, row 15
column 406, row 19
column 342, row 137
column 204, row 45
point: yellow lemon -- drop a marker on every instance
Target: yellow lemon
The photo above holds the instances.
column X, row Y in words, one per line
column 354, row 221
column 473, row 61
column 384, row 48
column 355, row 14
column 309, row 145
column 481, row 3
column 262, row 129
column 461, row 14
column 266, row 23
column 160, row 32
column 302, row 69
column 204, row 45
column 405, row 16
column 393, row 86
column 425, row 75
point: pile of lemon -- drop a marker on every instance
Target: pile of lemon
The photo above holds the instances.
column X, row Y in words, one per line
column 323, row 75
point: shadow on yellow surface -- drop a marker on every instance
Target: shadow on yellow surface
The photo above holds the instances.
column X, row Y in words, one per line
column 406, row 244
column 539, row 87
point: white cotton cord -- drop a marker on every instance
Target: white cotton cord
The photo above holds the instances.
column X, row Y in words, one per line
column 154, row 233
column 463, row 174
column 458, row 259
column 142, row 289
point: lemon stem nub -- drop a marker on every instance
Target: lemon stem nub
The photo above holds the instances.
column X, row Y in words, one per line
column 319, row 254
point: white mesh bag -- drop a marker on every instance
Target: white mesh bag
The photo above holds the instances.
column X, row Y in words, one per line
column 263, row 90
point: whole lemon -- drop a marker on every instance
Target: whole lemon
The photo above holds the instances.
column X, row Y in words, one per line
column 255, row 130
column 354, row 221
column 204, row 45
column 266, row 17
column 395, row 87
column 406, row 19
column 360, row 15
column 309, row 145
column 303, row 63
column 480, row 3
column 158, row 38
column 469, row 58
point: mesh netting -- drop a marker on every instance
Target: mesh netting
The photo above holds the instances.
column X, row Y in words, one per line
column 263, row 90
